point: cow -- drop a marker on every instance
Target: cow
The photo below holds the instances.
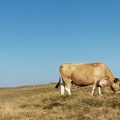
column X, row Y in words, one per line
column 97, row 74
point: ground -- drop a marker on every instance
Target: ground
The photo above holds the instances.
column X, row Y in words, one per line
column 43, row 102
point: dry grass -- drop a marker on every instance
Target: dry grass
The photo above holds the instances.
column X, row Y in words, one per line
column 43, row 102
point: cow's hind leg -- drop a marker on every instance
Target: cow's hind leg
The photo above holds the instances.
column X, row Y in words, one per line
column 67, row 82
column 62, row 89
column 65, row 88
column 68, row 90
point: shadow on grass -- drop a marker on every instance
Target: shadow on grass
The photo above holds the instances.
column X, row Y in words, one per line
column 100, row 103
column 50, row 106
column 93, row 103
column 56, row 101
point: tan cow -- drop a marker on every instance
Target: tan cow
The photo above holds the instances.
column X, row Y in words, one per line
column 96, row 74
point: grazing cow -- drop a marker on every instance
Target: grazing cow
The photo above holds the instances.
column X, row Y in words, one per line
column 96, row 74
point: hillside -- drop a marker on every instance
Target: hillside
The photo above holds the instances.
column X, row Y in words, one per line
column 43, row 102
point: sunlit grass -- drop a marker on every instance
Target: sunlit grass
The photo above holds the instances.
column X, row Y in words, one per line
column 44, row 102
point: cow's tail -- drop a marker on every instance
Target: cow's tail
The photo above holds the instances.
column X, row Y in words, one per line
column 58, row 81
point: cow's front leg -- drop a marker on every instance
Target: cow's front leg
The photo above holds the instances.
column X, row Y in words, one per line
column 99, row 90
column 94, row 86
column 93, row 89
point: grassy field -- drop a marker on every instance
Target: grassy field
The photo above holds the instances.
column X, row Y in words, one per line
column 43, row 102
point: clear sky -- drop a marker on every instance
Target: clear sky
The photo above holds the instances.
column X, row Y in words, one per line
column 36, row 36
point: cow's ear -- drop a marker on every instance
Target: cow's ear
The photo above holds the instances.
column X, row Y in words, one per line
column 116, row 80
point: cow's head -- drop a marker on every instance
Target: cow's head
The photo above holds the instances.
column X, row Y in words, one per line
column 116, row 85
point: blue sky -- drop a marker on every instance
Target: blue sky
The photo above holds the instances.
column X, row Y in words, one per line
column 36, row 36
